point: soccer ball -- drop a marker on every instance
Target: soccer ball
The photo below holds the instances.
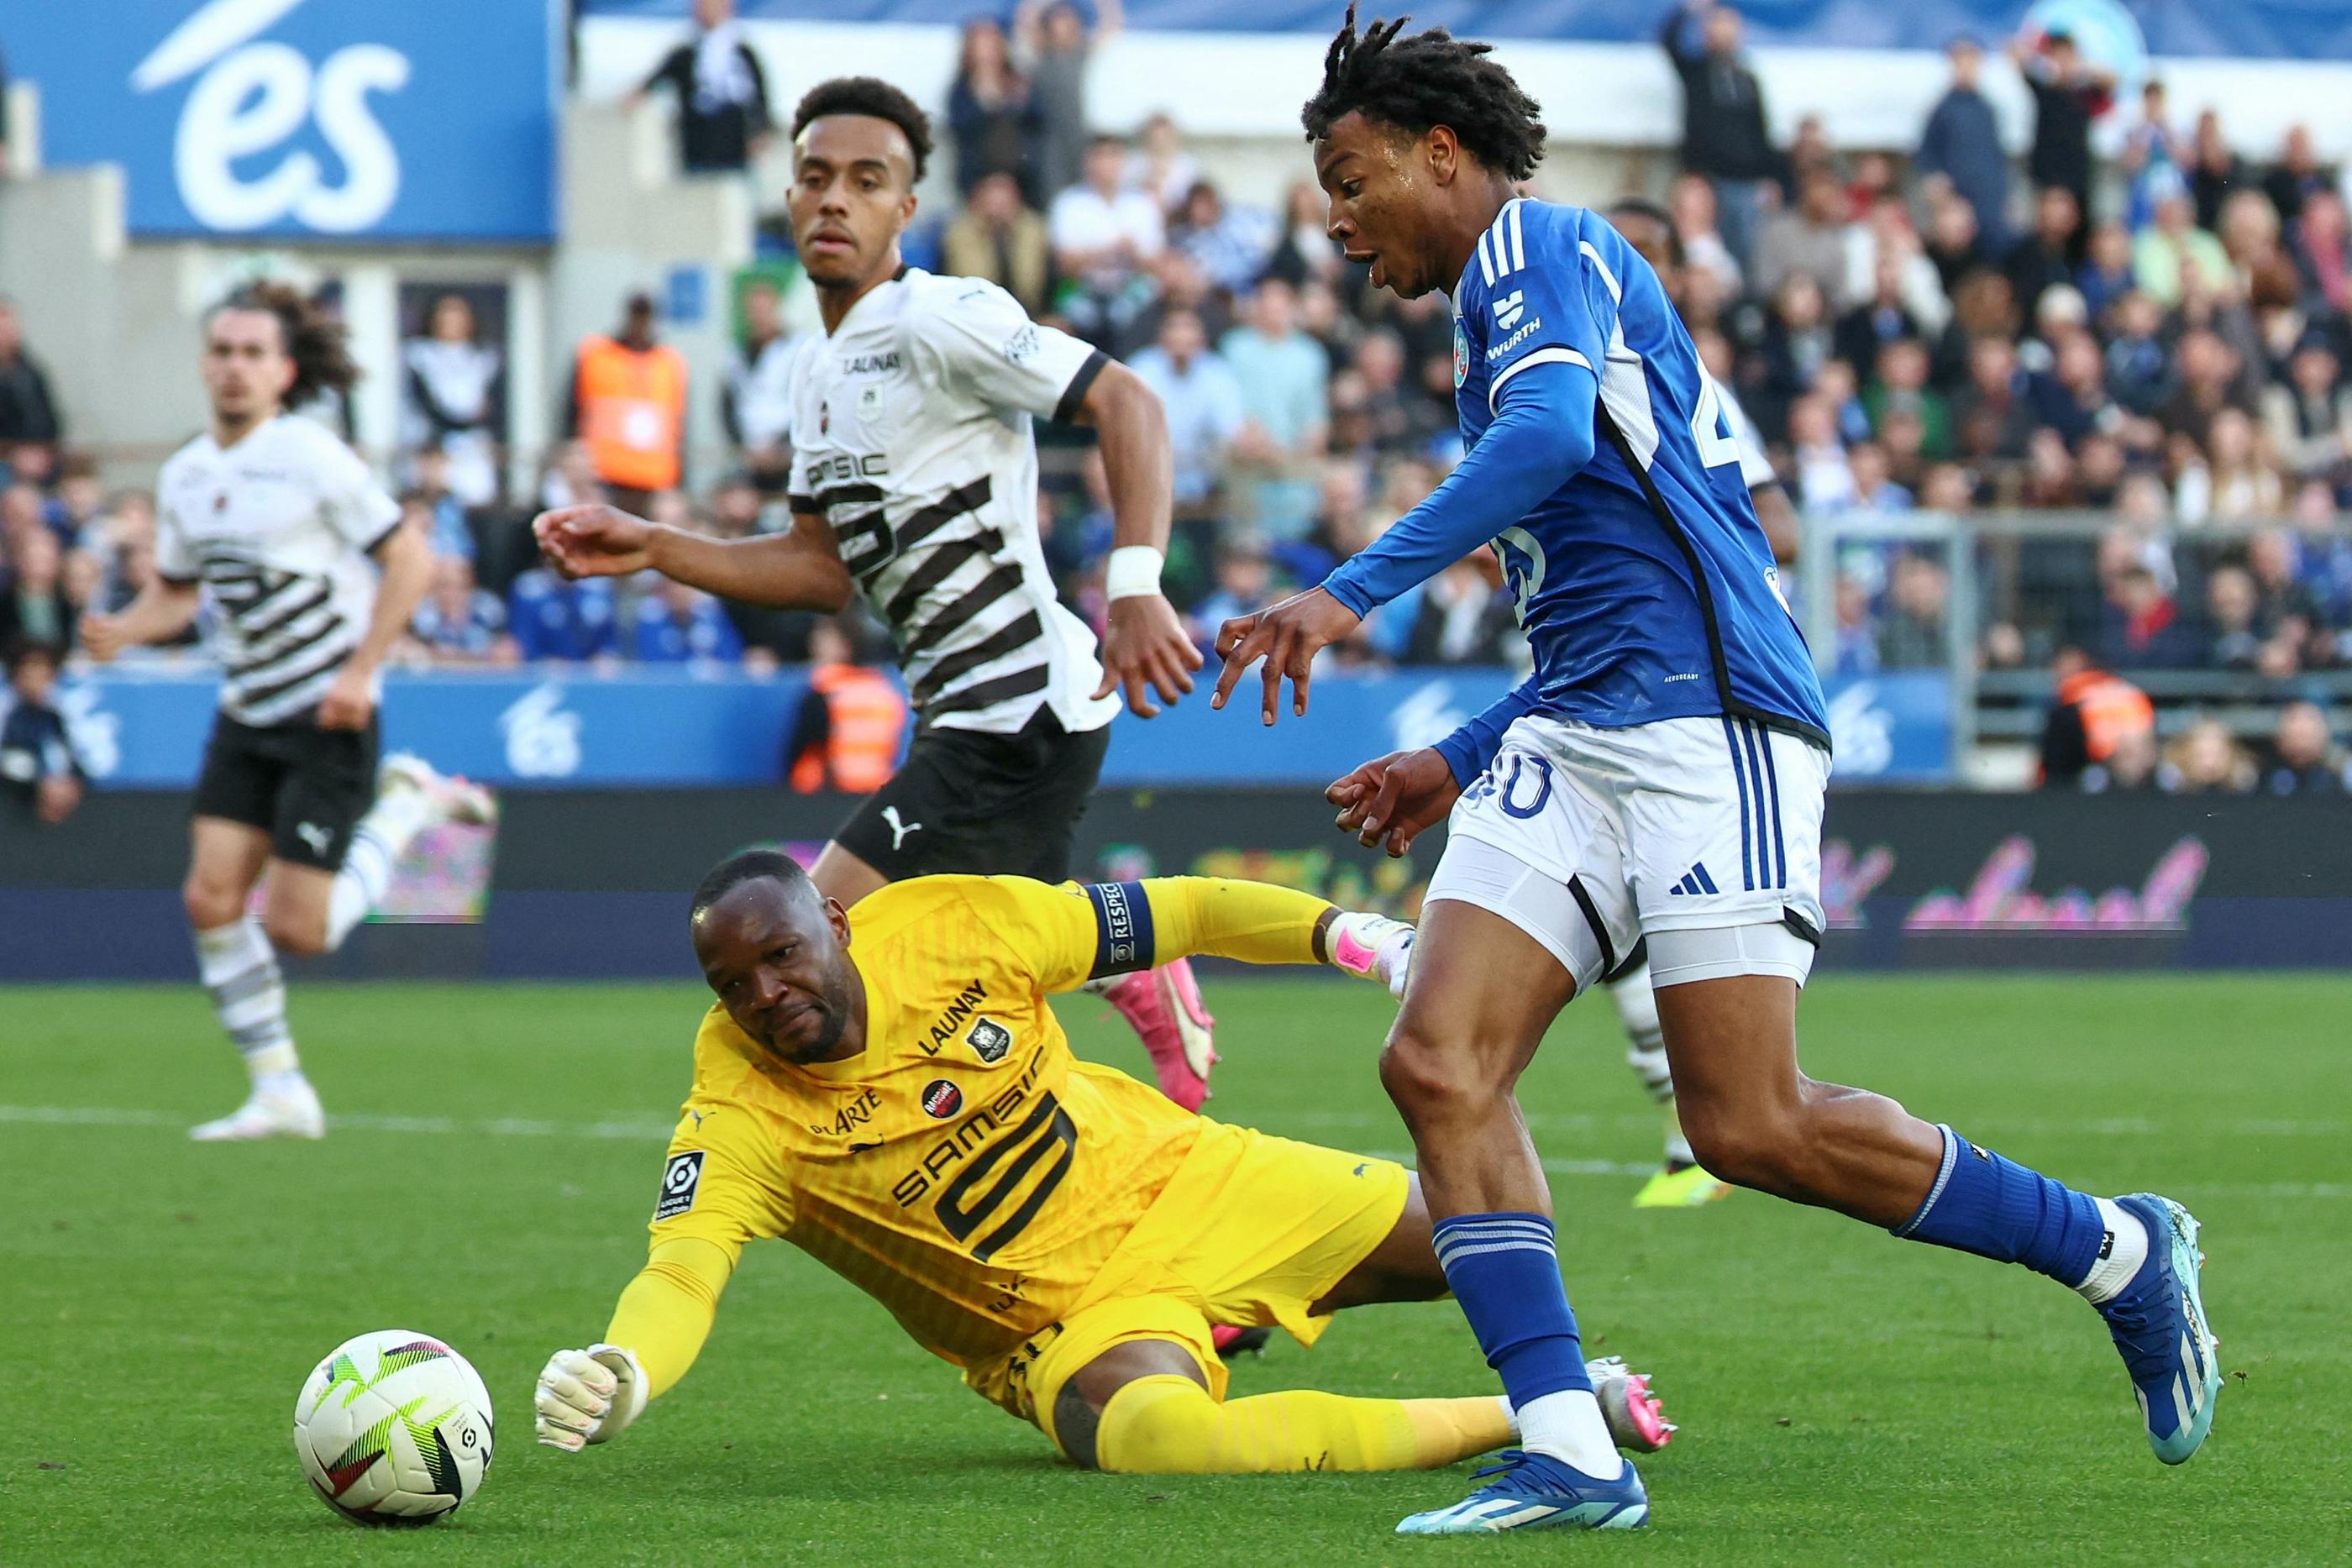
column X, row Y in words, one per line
column 393, row 1428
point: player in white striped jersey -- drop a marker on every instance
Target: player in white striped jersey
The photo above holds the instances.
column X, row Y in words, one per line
column 914, row 479
column 311, row 580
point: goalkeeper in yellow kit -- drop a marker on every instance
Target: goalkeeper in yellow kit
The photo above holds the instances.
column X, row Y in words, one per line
column 885, row 1088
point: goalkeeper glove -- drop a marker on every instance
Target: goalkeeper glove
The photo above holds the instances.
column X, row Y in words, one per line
column 1373, row 946
column 588, row 1396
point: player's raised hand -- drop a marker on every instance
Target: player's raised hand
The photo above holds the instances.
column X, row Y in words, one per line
column 594, row 540
column 1287, row 636
column 1391, row 800
column 1145, row 649
column 102, row 636
column 587, row 1397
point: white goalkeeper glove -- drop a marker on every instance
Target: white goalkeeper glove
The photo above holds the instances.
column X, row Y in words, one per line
column 588, row 1396
column 1374, row 947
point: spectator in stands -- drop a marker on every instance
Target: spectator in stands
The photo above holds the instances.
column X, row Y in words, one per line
column 1053, row 43
column 998, row 237
column 38, row 762
column 571, row 478
column 1284, row 376
column 2072, row 398
column 1161, row 168
column 2323, row 553
column 2205, row 381
column 994, row 121
column 553, row 617
column 1229, row 243
column 1725, row 134
column 2138, row 371
column 1808, row 240
column 722, row 94
column 1992, row 416
column 459, row 623
column 2068, row 91
column 2204, row 759
column 2305, row 758
column 1466, row 616
column 1691, row 203
column 1305, row 252
column 2295, row 633
column 628, row 405
column 2093, row 714
column 755, row 400
column 2244, row 486
column 81, row 499
column 2046, row 257
column 2141, row 629
column 436, row 514
column 2154, row 157
column 852, row 725
column 2172, row 246
column 1105, row 235
column 2323, row 252
column 676, row 624
column 2298, row 175
column 2105, row 273
column 2214, row 169
column 34, row 607
column 2234, row 642
column 1204, row 405
column 1881, row 318
column 1960, row 151
column 454, row 389
column 1954, row 243
column 28, row 416
column 1913, row 634
column 2249, row 232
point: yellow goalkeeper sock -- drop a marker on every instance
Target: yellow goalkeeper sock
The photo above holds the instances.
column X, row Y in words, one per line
column 1169, row 1425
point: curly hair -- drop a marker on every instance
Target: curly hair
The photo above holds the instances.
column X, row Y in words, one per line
column 871, row 96
column 318, row 343
column 1428, row 79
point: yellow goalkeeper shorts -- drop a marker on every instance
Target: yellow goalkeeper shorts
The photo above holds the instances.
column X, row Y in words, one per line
column 1251, row 1230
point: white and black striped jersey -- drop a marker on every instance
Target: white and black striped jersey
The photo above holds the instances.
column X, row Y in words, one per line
column 910, row 432
column 277, row 528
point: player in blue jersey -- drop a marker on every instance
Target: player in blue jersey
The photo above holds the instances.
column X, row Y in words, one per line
column 1660, row 775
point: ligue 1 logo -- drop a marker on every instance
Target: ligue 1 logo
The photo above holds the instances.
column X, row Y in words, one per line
column 1461, row 354
column 941, row 1099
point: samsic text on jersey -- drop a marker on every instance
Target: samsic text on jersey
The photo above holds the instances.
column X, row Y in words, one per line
column 910, row 433
column 965, row 1169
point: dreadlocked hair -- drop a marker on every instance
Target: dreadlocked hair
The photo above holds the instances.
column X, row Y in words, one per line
column 1430, row 78
column 869, row 95
column 319, row 344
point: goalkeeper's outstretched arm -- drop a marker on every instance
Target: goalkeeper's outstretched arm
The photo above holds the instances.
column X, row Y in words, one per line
column 591, row 1396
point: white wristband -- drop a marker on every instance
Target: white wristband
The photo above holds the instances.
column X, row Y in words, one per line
column 1133, row 571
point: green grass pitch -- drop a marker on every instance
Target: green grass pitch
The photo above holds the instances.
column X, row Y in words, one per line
column 1844, row 1397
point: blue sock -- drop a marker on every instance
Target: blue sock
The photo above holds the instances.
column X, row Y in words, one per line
column 1506, row 1273
column 1997, row 1209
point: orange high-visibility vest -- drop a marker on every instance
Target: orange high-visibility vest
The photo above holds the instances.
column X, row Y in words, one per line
column 632, row 409
column 2112, row 708
column 861, row 750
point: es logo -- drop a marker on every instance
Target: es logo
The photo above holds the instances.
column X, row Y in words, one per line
column 543, row 739
column 253, row 97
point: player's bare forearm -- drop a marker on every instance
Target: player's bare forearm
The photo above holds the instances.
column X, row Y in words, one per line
column 800, row 569
column 162, row 611
column 1779, row 520
column 1137, row 459
column 405, row 559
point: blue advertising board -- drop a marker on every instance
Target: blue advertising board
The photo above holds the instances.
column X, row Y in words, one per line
column 2245, row 29
column 305, row 119
column 565, row 726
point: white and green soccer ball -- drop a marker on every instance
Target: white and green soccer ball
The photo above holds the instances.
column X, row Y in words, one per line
column 393, row 1428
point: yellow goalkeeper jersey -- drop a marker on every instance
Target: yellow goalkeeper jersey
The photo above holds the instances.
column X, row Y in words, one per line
column 965, row 1170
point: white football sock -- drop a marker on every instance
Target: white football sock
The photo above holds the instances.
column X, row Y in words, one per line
column 240, row 969
column 2120, row 1255
column 395, row 819
column 1569, row 1427
column 1678, row 1149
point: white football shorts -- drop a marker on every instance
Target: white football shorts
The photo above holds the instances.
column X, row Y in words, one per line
column 1702, row 834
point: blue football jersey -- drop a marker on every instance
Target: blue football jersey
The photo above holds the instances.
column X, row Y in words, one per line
column 1644, row 583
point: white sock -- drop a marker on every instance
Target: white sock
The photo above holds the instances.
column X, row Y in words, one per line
column 240, row 969
column 397, row 818
column 1569, row 1427
column 2120, row 1255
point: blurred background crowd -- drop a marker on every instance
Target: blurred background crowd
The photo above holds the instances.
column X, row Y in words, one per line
column 2146, row 349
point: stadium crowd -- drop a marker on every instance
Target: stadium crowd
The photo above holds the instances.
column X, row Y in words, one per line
column 2162, row 338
